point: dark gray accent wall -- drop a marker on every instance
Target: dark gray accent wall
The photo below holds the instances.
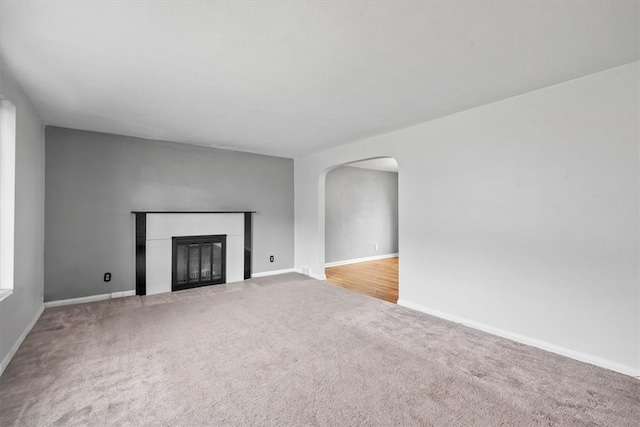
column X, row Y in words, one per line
column 94, row 181
column 361, row 211
column 21, row 308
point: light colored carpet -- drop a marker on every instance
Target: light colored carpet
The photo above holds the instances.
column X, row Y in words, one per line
column 289, row 350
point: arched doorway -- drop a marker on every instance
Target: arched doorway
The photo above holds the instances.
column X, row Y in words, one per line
column 361, row 227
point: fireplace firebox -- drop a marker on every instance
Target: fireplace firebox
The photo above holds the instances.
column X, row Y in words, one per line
column 198, row 261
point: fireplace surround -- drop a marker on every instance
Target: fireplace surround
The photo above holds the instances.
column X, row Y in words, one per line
column 160, row 235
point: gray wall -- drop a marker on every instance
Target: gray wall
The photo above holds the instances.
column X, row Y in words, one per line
column 94, row 181
column 361, row 210
column 20, row 308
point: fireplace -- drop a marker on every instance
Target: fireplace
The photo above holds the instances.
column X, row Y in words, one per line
column 214, row 247
column 198, row 261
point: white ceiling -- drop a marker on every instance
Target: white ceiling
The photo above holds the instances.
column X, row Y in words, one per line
column 288, row 78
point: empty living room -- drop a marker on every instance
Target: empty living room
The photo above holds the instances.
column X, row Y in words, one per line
column 320, row 213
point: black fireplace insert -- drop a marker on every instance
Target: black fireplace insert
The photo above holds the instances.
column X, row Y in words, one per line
column 198, row 261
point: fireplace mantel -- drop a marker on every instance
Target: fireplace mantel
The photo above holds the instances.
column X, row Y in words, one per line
column 141, row 242
column 192, row 212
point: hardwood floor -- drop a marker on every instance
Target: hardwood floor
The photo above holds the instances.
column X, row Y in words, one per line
column 378, row 279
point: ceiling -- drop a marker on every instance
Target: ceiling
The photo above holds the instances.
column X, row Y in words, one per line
column 290, row 78
column 386, row 164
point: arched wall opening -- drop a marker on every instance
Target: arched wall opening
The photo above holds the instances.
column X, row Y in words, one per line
column 358, row 212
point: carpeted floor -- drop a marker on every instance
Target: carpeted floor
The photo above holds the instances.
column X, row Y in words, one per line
column 288, row 350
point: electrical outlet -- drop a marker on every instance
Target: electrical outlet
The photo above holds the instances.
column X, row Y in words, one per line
column 375, row 246
column 271, row 258
column 107, row 277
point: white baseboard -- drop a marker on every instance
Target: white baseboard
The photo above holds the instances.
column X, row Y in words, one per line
column 91, row 298
column 18, row 343
column 306, row 272
column 274, row 272
column 582, row 357
column 357, row 260
column 121, row 294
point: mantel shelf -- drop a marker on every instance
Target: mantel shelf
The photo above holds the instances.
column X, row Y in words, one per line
column 191, row 212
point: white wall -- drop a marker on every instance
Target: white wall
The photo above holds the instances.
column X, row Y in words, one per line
column 519, row 216
column 19, row 311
